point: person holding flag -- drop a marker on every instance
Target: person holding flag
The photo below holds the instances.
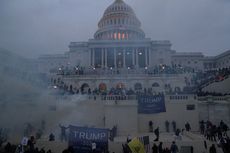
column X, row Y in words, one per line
column 136, row 146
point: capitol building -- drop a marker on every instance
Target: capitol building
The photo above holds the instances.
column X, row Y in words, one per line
column 120, row 63
column 118, row 81
column 120, row 43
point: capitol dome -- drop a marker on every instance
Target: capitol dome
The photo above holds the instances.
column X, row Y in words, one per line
column 119, row 22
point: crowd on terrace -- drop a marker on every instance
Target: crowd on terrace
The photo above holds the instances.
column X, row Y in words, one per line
column 201, row 93
column 107, row 92
column 161, row 69
column 203, row 79
column 194, row 84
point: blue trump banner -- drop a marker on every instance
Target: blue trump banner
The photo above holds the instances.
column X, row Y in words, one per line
column 84, row 140
column 151, row 104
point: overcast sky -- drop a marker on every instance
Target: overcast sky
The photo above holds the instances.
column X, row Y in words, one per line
column 35, row 27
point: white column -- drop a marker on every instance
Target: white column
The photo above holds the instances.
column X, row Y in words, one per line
column 102, row 57
column 124, row 64
column 115, row 57
column 137, row 62
column 106, row 61
column 93, row 58
column 133, row 57
column 146, row 57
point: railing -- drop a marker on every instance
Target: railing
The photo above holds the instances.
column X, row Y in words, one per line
column 117, row 97
column 214, row 98
column 123, row 71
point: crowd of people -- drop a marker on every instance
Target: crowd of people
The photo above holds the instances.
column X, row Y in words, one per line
column 63, row 90
column 156, row 70
column 26, row 146
column 159, row 149
column 212, row 131
column 202, row 79
column 216, row 133
column 202, row 93
column 193, row 85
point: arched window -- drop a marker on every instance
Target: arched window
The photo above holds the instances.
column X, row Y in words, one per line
column 138, row 86
column 120, row 86
column 155, row 84
column 177, row 89
column 84, row 87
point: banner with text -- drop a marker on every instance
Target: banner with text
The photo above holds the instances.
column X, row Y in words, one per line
column 151, row 104
column 84, row 139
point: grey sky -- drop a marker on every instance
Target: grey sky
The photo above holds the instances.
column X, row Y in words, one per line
column 34, row 27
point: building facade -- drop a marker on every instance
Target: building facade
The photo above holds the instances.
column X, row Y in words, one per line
column 120, row 43
column 121, row 57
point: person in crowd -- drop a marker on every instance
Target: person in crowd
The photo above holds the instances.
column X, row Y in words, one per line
column 51, row 137
column 224, row 144
column 174, row 126
column 129, row 138
column 202, row 127
column 154, row 148
column 160, row 147
column 157, row 133
column 205, row 145
column 150, row 126
column 31, row 143
column 212, row 149
column 174, row 147
column 63, row 132
column 187, row 127
column 125, row 148
column 167, row 125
